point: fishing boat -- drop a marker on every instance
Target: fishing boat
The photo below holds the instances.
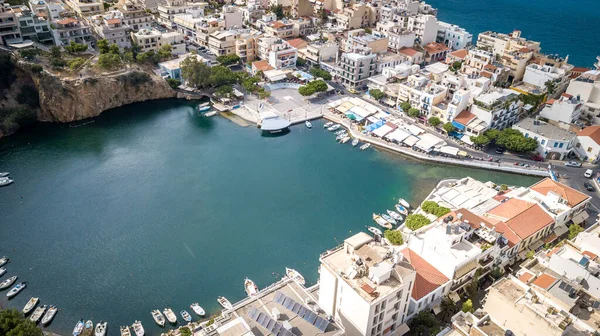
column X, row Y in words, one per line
column 78, row 328
column 2, row 271
column 210, row 114
column 334, row 128
column 170, row 315
column 395, row 215
column 16, row 290
column 381, row 222
column 224, row 302
column 49, row 315
column 374, row 230
column 354, row 142
column 125, row 331
column 365, row 146
column 328, row 124
column 4, row 174
column 185, row 316
column 37, row 314
column 340, row 137
column 3, row 260
column 100, row 329
column 342, row 131
column 89, row 327
column 389, row 219
column 308, row 124
column 197, row 309
column 204, row 107
column 8, row 282
column 158, row 317
column 403, row 203
column 345, row 139
column 295, row 275
column 138, row 328
column 4, row 181
column 30, row 305
column 251, row 288
column 401, row 210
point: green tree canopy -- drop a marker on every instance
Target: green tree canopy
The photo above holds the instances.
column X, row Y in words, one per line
column 222, row 75
column 515, row 141
column 424, row 323
column 405, row 106
column 109, row 61
column 433, row 208
column 228, row 59
column 377, row 94
column 448, row 127
column 300, row 61
column 76, row 48
column 103, row 46
column 467, row 306
column 165, row 52
column 447, row 309
column 29, row 53
column 196, row 73
column 394, row 237
column 480, row 140
column 434, row 121
column 416, row 221
column 55, row 52
column 574, row 230
column 114, row 49
column 313, row 87
column 13, row 323
column 173, row 83
column 278, row 10
column 320, row 73
column 414, row 112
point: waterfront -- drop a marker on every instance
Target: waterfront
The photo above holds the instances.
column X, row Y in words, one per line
column 563, row 28
column 152, row 206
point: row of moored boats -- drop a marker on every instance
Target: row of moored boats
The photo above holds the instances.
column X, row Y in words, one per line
column 392, row 218
column 342, row 135
column 4, row 179
column 168, row 315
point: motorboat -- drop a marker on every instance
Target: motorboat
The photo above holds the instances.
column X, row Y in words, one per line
column 345, row 139
column 334, row 127
column 4, row 181
column 170, row 315
column 158, row 317
column 4, row 174
column 2, row 271
column 185, row 316
column 340, row 137
column 328, row 124
column 138, row 328
column 389, row 219
column 295, row 275
column 251, row 288
column 210, row 114
column 204, row 107
column 30, row 305
column 308, row 124
column 4, row 260
column 125, row 331
column 355, row 142
column 342, row 131
column 89, row 327
column 365, row 146
column 16, row 290
column 8, row 282
column 374, row 230
column 37, row 314
column 49, row 316
column 395, row 215
column 197, row 309
column 404, row 203
column 100, row 329
column 78, row 328
column 381, row 222
column 224, row 302
column 401, row 210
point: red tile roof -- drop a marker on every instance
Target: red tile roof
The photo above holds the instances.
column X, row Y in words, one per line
column 277, row 24
column 566, row 95
column 113, row 21
column 490, row 67
column 550, row 101
column 297, row 43
column 462, row 53
column 464, row 117
column 530, row 221
column 592, row 132
column 544, row 281
column 589, row 254
column 407, row 51
column 508, row 233
column 572, row 196
column 262, row 65
column 435, row 48
column 509, row 209
column 525, row 277
column 428, row 277
column 486, row 74
column 67, row 21
column 549, row 254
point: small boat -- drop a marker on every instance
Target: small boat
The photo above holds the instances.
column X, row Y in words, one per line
column 401, row 210
column 381, row 222
column 342, row 131
column 4, row 181
column 374, row 230
column 403, row 203
column 125, row 331
column 354, row 142
column 16, row 290
column 78, row 328
column 170, row 315
column 328, row 124
column 49, row 315
column 365, row 146
column 251, row 288
column 4, row 174
column 346, row 139
column 37, row 314
column 197, row 309
column 89, row 327
column 158, row 317
column 2, row 271
column 30, row 305
column 389, row 219
column 8, row 282
column 186, row 316
column 224, row 302
column 334, row 128
column 204, row 107
column 100, row 329
column 138, row 328
column 308, row 124
column 3, row 260
column 340, row 137
column 295, row 275
column 395, row 215
column 210, row 114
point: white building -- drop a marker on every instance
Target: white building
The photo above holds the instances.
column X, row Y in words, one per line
column 70, row 30
column 563, row 111
column 587, row 88
column 135, row 16
column 149, row 39
column 277, row 52
column 538, row 75
column 554, row 143
column 112, row 29
column 355, row 67
column 85, row 8
column 422, row 93
column 425, row 27
column 364, row 289
column 498, row 108
column 453, row 36
column 588, row 144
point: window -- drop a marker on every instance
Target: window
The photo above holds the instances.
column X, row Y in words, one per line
column 589, row 149
column 578, row 145
column 560, row 145
column 527, row 135
column 543, row 141
column 555, row 144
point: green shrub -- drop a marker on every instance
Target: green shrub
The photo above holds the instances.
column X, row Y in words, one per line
column 174, row 83
column 36, row 68
column 433, row 208
column 76, row 63
column 467, row 306
column 434, row 121
column 416, row 221
column 394, row 237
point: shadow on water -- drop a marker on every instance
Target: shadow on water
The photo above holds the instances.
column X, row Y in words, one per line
column 266, row 134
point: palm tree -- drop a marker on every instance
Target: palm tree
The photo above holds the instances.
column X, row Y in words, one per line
column 447, row 309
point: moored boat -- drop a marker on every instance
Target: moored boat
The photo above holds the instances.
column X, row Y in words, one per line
column 295, row 275
column 30, row 305
column 125, row 331
column 374, row 230
column 365, row 146
column 340, row 137
column 328, row 124
column 158, row 317
column 224, row 302
column 395, row 215
column 2, row 271
column 210, row 114
column 308, row 124
column 355, row 142
column 250, row 287
column 185, row 316
column 170, row 315
column 334, row 127
column 401, row 210
column 78, row 328
column 37, row 314
column 88, row 328
column 49, row 315
column 342, row 131
column 404, row 203
column 381, row 222
column 100, row 329
column 345, row 139
column 8, row 282
column 16, row 290
column 388, row 219
column 4, row 174
column 3, row 260
column 197, row 309
column 138, row 328
column 4, row 181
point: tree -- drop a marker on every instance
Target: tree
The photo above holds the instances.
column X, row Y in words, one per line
column 228, row 59
column 300, row 62
column 250, row 83
column 467, row 306
column 28, row 95
column 55, row 52
column 424, row 323
column 394, row 237
column 434, row 208
column 109, row 61
column 263, row 94
column 480, row 140
column 305, row 90
column 574, row 230
column 550, row 86
column 76, row 48
column 102, row 46
column 185, row 331
column 165, row 52
column 29, row 53
column 492, row 134
column 36, row 68
column 195, row 73
column 405, row 106
column 530, row 255
column 173, row 83
column 320, row 73
column 497, row 273
column 447, row 309
column 76, row 63
column 413, row 112
column 377, row 94
column 128, row 56
column 13, row 323
column 278, row 10
column 221, row 75
column 416, row 221
column 224, row 90
column 514, row 140
column 448, row 127
column 455, row 66
column 114, row 49
column 473, row 286
column 434, row 121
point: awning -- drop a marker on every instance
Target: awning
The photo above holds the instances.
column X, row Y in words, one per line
column 414, row 129
column 456, row 135
column 462, row 153
column 411, row 140
column 535, row 246
column 383, row 130
column 580, row 217
column 448, row 150
column 402, row 329
column 458, row 125
column 398, row 135
column 466, row 140
column 454, row 297
column 560, row 230
column 372, row 119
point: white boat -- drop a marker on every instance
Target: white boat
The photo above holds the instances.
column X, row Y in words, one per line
column 251, row 288
column 295, row 275
column 30, row 305
column 346, row 139
column 49, row 315
column 100, row 329
column 197, row 309
column 16, row 290
column 37, row 314
column 374, row 230
column 8, row 282
column 354, row 142
column 210, row 114
column 381, row 222
column 401, row 210
column 308, row 124
column 204, row 107
column 170, row 315
column 224, row 302
column 3, row 260
column 365, row 146
column 78, row 328
column 125, row 331
column 395, row 215
column 340, row 137
column 158, row 317
column 4, row 174
column 342, row 131
column 334, row 128
column 185, row 316
column 2, row 271
column 4, row 181
column 389, row 219
column 403, row 203
column 138, row 328
column 328, row 124
column 89, row 327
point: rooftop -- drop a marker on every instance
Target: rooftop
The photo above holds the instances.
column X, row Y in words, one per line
column 545, row 129
column 591, row 131
column 572, row 196
column 428, row 278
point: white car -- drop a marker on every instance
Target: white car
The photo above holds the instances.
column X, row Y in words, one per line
column 573, row 164
column 588, row 173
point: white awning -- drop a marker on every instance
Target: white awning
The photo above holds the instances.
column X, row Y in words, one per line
column 466, row 139
column 360, row 111
column 454, row 297
column 414, row 129
column 428, row 142
column 448, row 150
column 536, row 245
column 398, row 135
column 411, row 140
column 580, row 217
column 560, row 230
column 402, row 329
column 383, row 130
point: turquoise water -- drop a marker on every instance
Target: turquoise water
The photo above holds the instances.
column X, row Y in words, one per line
column 152, row 206
column 563, row 27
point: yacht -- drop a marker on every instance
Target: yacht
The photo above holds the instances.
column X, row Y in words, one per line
column 37, row 314
column 401, row 210
column 2, row 271
column 170, row 315
column 334, row 128
column 308, row 124
column 125, row 331
column 395, row 215
column 138, row 328
column 4, row 174
column 251, row 288
column 224, row 302
column 403, row 203
column 8, row 282
column 30, row 305
column 4, row 260
column 158, row 317
column 16, row 290
column 295, row 275
column 328, row 124
column 365, row 146
column 185, row 316
column 197, row 309
column 100, row 329
column 4, row 181
column 389, row 219
column 381, row 222
column 374, row 230
column 354, row 142
column 49, row 315
column 78, row 328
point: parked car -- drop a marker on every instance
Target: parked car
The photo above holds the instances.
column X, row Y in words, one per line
column 573, row 164
column 588, row 186
column 500, row 150
column 351, row 90
column 537, row 157
column 588, row 173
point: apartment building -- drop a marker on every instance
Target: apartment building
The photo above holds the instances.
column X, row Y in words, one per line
column 587, row 89
column 55, row 9
column 501, row 44
column 34, row 27
column 411, row 55
column 398, row 37
column 151, row 5
column 588, row 144
column 135, row 16
column 453, row 36
column 563, row 111
column 498, row 108
column 358, row 38
column 538, row 75
column 112, row 29
column 424, row 26
column 281, row 29
column 206, row 27
column 355, row 67
column 303, row 26
column 232, row 17
column 246, row 45
column 186, row 23
column 318, row 52
column 9, row 25
column 85, row 8
column 223, row 42
column 421, row 93
column 168, row 10
column 151, row 39
column 435, row 52
column 277, row 52
column 364, row 289
column 476, row 60
column 69, row 30
column 355, row 16
column 554, row 143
